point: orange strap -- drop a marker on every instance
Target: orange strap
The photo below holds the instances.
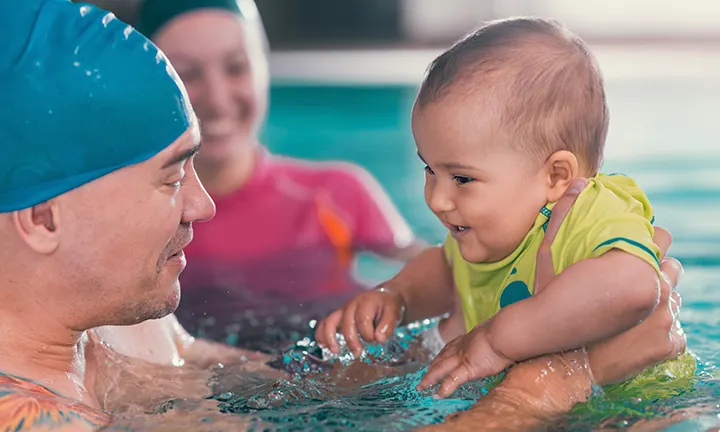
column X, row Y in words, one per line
column 337, row 231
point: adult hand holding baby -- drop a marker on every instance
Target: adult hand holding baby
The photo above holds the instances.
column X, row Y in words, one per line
column 657, row 339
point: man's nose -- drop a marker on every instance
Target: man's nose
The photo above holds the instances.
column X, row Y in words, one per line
column 199, row 206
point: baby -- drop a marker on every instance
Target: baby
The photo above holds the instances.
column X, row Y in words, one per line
column 505, row 120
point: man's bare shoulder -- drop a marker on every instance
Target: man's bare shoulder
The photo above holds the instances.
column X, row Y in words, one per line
column 27, row 406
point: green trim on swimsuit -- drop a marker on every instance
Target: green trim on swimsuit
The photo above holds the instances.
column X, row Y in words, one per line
column 630, row 242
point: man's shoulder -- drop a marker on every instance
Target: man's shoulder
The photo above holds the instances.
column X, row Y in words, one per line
column 27, row 406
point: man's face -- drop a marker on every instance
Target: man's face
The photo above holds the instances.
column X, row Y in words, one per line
column 122, row 235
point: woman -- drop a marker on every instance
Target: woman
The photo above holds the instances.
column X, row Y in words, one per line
column 285, row 229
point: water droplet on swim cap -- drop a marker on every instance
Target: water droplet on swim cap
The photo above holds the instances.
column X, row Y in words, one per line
column 82, row 96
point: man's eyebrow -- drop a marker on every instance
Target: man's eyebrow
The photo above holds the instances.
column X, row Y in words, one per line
column 181, row 157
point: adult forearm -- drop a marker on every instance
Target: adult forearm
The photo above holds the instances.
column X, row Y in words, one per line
column 530, row 396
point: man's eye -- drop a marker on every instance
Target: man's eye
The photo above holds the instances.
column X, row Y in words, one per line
column 428, row 170
column 176, row 184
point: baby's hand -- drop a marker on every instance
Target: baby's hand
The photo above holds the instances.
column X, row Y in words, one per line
column 467, row 358
column 375, row 314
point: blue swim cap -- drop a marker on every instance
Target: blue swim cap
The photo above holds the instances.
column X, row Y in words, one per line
column 81, row 95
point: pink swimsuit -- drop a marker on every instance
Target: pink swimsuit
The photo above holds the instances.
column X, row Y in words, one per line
column 288, row 236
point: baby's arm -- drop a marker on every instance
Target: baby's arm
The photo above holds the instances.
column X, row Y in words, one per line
column 587, row 302
column 422, row 289
column 426, row 285
column 583, row 304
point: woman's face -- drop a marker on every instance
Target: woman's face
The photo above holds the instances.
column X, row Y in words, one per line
column 221, row 60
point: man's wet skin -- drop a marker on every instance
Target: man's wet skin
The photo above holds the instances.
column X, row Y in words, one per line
column 94, row 213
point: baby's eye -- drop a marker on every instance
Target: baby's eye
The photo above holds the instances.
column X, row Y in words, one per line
column 461, row 180
column 429, row 170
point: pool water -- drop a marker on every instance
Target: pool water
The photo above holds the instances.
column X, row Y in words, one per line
column 662, row 133
column 376, row 392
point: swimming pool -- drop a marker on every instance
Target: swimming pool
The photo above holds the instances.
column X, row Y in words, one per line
column 662, row 133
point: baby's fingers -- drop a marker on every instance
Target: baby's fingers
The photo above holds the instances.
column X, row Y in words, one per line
column 327, row 330
column 438, row 369
column 349, row 330
column 365, row 317
column 387, row 323
column 459, row 376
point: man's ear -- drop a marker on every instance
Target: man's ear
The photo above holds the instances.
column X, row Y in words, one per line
column 562, row 168
column 39, row 226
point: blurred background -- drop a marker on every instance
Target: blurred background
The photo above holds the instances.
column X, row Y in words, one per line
column 344, row 76
column 393, row 23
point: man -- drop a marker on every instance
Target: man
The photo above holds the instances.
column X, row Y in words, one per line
column 98, row 194
column 98, row 197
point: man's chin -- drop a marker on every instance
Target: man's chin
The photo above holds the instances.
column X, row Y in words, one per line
column 172, row 301
column 158, row 307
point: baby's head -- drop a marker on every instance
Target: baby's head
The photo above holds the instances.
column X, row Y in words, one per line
column 505, row 120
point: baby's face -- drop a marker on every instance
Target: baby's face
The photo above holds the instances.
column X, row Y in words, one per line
column 487, row 194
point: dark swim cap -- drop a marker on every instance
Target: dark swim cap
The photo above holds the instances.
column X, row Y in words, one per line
column 81, row 95
column 154, row 14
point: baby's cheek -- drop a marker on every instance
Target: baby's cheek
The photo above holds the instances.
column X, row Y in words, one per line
column 504, row 234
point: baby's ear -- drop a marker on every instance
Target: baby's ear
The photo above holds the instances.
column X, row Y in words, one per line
column 562, row 168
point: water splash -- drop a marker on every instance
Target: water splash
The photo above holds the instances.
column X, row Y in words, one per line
column 341, row 392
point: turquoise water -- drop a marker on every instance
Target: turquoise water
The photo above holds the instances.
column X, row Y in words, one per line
column 662, row 133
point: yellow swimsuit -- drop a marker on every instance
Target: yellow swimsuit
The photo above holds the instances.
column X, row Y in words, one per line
column 612, row 212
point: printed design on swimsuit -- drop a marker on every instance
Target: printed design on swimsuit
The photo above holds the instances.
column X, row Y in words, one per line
column 24, row 404
column 547, row 213
column 519, row 290
column 514, row 292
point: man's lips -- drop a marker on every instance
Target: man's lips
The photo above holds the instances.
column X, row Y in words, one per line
column 183, row 244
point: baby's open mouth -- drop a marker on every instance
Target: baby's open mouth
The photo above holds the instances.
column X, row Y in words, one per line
column 458, row 229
